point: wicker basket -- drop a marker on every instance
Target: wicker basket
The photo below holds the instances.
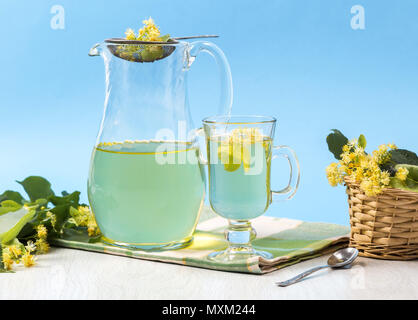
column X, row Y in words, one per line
column 386, row 226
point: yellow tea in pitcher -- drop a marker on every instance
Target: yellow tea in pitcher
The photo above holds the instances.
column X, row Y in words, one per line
column 139, row 198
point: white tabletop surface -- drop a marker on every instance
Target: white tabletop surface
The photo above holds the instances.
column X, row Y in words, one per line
column 75, row 274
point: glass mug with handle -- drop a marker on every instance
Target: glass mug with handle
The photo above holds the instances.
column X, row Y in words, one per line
column 239, row 152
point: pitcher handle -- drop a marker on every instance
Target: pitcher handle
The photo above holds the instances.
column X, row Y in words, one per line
column 226, row 91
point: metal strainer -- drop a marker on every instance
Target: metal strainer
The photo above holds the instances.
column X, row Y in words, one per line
column 145, row 51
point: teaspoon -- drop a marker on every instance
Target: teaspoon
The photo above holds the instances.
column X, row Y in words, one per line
column 339, row 259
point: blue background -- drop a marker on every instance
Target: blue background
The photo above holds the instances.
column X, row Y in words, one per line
column 299, row 61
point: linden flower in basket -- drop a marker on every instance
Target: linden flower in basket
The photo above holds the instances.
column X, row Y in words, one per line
column 385, row 167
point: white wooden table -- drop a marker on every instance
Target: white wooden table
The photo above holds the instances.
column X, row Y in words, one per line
column 74, row 274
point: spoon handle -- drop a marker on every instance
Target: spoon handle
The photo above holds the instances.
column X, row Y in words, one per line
column 300, row 276
column 197, row 37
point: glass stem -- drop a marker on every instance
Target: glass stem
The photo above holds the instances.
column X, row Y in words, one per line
column 239, row 235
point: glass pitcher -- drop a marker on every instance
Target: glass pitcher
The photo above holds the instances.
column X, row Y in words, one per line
column 146, row 185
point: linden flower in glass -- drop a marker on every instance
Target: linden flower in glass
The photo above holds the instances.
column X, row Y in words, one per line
column 236, row 148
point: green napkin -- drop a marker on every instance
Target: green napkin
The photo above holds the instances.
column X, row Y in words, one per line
column 290, row 241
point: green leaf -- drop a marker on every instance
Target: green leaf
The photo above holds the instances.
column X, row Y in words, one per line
column 13, row 222
column 413, row 170
column 37, row 187
column 362, row 141
column 402, row 156
column 12, row 195
column 408, row 186
column 28, row 231
column 411, row 182
column 68, row 199
column 336, row 141
column 412, row 178
column 62, row 213
column 62, row 207
column 4, row 210
column 9, row 206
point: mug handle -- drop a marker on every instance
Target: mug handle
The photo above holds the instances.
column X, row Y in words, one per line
column 289, row 191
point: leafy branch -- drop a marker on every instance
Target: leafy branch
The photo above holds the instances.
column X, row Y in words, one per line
column 60, row 216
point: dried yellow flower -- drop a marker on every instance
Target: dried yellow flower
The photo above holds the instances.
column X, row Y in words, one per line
column 149, row 32
column 83, row 217
column 362, row 168
column 42, row 246
column 53, row 218
column 15, row 251
column 30, row 246
column 130, row 34
column 334, row 174
column 402, row 173
column 7, row 260
column 28, row 259
column 42, row 231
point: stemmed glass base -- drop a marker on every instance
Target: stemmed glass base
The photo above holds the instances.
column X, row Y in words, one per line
column 239, row 235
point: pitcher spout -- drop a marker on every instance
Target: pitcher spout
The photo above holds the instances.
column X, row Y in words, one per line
column 94, row 51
